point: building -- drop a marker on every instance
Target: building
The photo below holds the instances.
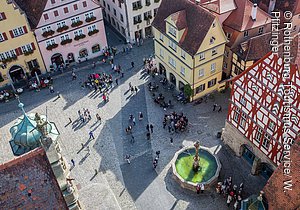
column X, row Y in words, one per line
column 28, row 182
column 187, row 50
column 35, row 132
column 258, row 113
column 132, row 18
column 19, row 53
column 66, row 31
column 243, row 23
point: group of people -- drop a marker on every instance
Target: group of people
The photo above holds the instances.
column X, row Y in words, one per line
column 150, row 66
column 233, row 192
column 175, row 122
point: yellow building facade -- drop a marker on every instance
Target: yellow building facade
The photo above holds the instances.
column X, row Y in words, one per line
column 202, row 70
column 19, row 53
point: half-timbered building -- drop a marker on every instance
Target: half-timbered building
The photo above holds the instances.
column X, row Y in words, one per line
column 261, row 105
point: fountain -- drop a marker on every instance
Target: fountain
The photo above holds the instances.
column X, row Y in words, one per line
column 194, row 165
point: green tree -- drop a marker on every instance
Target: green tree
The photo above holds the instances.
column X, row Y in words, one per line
column 187, row 90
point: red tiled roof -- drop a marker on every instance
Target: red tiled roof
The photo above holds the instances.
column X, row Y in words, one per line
column 282, row 5
column 180, row 19
column 33, row 9
column 198, row 22
column 240, row 19
column 219, row 6
column 28, row 182
column 277, row 196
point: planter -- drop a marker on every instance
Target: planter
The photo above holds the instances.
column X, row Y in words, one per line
column 48, row 33
column 90, row 19
column 66, row 41
column 28, row 52
column 10, row 59
column 156, row 1
column 51, row 47
column 79, row 37
column 77, row 23
column 64, row 28
column 93, row 32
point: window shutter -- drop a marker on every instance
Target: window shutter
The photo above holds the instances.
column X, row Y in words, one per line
column 11, row 34
column 25, row 29
column 17, row 51
column 32, row 45
column 20, row 50
column 3, row 15
column 4, row 36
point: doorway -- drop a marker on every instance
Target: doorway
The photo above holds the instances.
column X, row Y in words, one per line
column 16, row 73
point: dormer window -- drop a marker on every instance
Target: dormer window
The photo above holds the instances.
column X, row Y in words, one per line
column 212, row 40
column 172, row 30
column 260, row 30
column 228, row 35
column 246, row 33
column 214, row 25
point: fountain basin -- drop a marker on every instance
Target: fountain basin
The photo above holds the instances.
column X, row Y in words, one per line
column 182, row 166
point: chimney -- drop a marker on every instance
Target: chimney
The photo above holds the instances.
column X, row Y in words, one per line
column 197, row 2
column 271, row 6
column 254, row 12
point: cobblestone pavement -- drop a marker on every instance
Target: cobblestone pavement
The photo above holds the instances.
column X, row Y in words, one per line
column 119, row 185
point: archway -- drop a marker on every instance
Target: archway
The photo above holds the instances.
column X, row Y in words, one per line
column 83, row 53
column 266, row 170
column 173, row 79
column 16, row 73
column 71, row 58
column 57, row 58
column 247, row 153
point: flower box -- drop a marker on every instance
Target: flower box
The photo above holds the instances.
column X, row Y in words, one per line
column 66, row 41
column 9, row 59
column 90, row 19
column 28, row 52
column 93, row 32
column 51, row 47
column 48, row 33
column 75, row 24
column 64, row 28
column 81, row 36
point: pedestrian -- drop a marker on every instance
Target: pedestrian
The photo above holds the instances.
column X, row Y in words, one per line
column 98, row 117
column 148, row 127
column 58, row 94
column 89, row 116
column 73, row 162
column 198, row 188
column 122, row 74
column 202, row 187
column 148, row 135
column 135, row 89
column 127, row 158
column 141, row 116
column 157, row 153
column 74, row 77
column 132, row 64
column 132, row 89
column 169, row 128
column 155, row 162
column 132, row 139
column 51, row 89
column 91, row 135
column 133, row 120
column 130, row 86
column 214, row 107
column 116, row 81
column 220, row 109
column 88, row 149
column 70, row 120
column 171, row 140
column 151, row 128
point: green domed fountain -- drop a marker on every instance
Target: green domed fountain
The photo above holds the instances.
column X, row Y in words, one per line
column 195, row 165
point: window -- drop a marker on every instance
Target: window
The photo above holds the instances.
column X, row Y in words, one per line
column 243, row 101
column 212, row 40
column 266, row 141
column 214, row 51
column 271, row 126
column 172, row 45
column 52, row 1
column 3, row 37
column 246, row 34
column 214, row 24
column 155, row 12
column 96, row 48
column 122, row 19
column 172, row 62
column 225, row 65
column 172, row 30
column 212, row 82
column 104, row 3
column 201, row 73
column 137, row 19
column 92, row 28
column 228, row 35
column 260, row 30
column 202, row 56
column 50, row 42
column 243, row 120
column 104, row 13
column 294, row 28
column 212, row 67
column 18, row 31
column 114, row 1
column 182, row 54
column 200, row 88
column 258, row 135
column 120, row 4
column 236, row 115
column 60, row 24
column 108, row 7
column 136, row 5
column 46, row 17
column 89, row 15
column 75, row 20
column 55, row 13
column 78, row 33
column 48, row 28
column 115, row 12
column 182, row 71
column 226, row 53
column 84, row 4
column 66, row 10
column 161, row 53
column 161, row 37
column 26, row 48
column 75, row 7
column 65, row 37
column 33, row 64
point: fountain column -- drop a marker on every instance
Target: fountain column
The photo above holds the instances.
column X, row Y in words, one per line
column 196, row 158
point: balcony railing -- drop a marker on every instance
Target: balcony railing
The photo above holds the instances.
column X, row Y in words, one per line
column 90, row 33
column 63, row 28
column 78, row 23
column 66, row 41
column 81, row 36
column 28, row 52
column 48, row 33
column 52, row 46
column 90, row 19
column 10, row 59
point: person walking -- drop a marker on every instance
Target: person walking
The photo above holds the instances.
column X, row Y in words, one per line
column 74, row 77
column 98, row 117
column 132, row 64
column 220, row 109
column 117, row 81
column 148, row 135
column 135, row 89
column 91, row 135
column 198, row 188
column 171, row 140
column 140, row 116
column 73, row 162
column 58, row 94
column 151, row 128
column 127, row 158
column 148, row 127
column 133, row 120
column 155, row 162
column 202, row 187
column 51, row 89
column 130, row 86
column 157, row 153
column 214, row 107
column 132, row 139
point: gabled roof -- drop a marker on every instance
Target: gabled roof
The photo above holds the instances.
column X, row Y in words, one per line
column 28, row 182
column 219, row 6
column 179, row 19
column 33, row 9
column 280, row 5
column 277, row 196
column 240, row 19
column 198, row 22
